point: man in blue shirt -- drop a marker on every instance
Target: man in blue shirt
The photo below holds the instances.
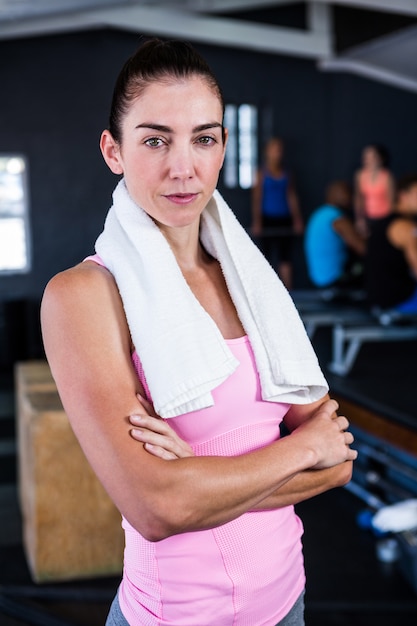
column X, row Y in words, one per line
column 331, row 241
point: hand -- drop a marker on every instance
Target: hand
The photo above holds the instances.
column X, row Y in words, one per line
column 157, row 436
column 326, row 433
column 362, row 227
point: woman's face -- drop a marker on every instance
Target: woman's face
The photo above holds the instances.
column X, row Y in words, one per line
column 172, row 150
column 274, row 151
column 371, row 158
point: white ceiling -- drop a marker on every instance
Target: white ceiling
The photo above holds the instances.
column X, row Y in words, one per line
column 392, row 59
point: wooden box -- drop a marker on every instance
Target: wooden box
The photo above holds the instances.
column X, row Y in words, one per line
column 71, row 529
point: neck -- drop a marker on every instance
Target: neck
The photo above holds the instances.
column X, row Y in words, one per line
column 274, row 167
column 186, row 246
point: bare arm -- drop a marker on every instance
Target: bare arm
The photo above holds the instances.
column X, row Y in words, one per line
column 391, row 189
column 352, row 238
column 312, row 482
column 161, row 440
column 88, row 347
column 295, row 210
column 359, row 206
column 358, row 198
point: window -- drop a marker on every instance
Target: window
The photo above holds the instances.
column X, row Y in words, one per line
column 14, row 222
column 241, row 153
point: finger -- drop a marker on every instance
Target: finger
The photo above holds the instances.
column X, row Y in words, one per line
column 329, row 407
column 169, row 442
column 150, row 422
column 342, row 422
column 349, row 438
column 156, row 431
column 149, row 436
column 331, row 403
column 352, row 455
column 151, row 439
column 146, row 404
column 159, row 452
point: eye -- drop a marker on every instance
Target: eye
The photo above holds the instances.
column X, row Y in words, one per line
column 154, row 142
column 206, row 140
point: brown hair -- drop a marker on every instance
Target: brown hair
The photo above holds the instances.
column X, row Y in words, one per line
column 406, row 182
column 156, row 60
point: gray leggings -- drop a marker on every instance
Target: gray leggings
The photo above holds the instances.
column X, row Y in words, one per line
column 294, row 618
column 115, row 616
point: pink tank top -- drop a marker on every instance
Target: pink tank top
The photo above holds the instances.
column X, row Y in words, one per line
column 246, row 572
column 376, row 194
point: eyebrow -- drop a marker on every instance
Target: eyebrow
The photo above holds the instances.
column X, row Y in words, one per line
column 166, row 129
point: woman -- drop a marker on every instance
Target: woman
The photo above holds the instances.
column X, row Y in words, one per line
column 275, row 206
column 374, row 188
column 206, row 496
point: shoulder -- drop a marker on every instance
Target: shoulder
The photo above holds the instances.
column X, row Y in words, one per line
column 83, row 298
column 401, row 231
column 334, row 211
column 83, row 322
column 259, row 177
column 328, row 211
column 84, row 279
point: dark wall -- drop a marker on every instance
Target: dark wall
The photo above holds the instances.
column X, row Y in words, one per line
column 55, row 96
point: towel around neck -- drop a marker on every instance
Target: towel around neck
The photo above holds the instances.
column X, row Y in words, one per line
column 182, row 351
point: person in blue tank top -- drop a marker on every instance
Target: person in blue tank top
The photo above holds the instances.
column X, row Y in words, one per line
column 332, row 244
column 276, row 215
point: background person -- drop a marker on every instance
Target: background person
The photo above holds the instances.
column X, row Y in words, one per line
column 334, row 249
column 275, row 205
column 374, row 188
column 391, row 260
column 147, row 327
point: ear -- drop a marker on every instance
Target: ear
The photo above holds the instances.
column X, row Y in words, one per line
column 111, row 152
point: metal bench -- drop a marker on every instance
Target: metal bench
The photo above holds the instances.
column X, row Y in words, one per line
column 332, row 316
column 348, row 339
column 327, row 307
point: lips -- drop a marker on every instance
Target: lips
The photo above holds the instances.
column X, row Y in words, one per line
column 181, row 198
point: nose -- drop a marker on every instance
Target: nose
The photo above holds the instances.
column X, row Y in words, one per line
column 181, row 163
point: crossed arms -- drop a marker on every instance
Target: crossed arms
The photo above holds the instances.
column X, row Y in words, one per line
column 164, row 490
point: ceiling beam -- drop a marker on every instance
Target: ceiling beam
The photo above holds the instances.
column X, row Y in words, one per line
column 367, row 70
column 21, row 9
column 319, row 17
column 405, row 7
column 220, row 6
column 181, row 24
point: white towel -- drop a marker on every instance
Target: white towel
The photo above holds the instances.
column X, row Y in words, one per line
column 182, row 351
